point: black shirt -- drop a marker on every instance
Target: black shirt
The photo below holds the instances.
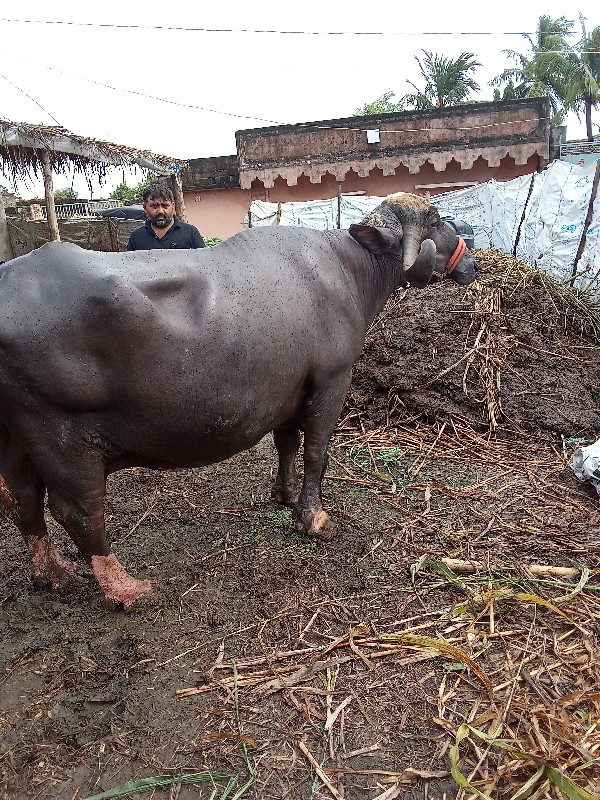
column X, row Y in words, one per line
column 182, row 236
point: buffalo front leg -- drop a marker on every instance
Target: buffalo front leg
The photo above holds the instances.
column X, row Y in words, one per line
column 287, row 442
column 322, row 412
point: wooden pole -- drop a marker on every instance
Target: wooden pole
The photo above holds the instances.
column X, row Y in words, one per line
column 178, row 195
column 6, row 251
column 49, row 192
column 586, row 224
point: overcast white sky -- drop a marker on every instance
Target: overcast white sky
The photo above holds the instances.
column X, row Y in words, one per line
column 208, row 84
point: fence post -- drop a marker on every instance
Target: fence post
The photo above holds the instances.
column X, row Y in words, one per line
column 6, row 251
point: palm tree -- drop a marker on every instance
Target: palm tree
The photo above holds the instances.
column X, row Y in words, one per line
column 544, row 71
column 583, row 79
column 447, row 81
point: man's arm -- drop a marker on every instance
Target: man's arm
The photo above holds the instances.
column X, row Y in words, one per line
column 131, row 245
column 197, row 240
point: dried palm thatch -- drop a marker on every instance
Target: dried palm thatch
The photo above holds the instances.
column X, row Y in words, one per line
column 22, row 144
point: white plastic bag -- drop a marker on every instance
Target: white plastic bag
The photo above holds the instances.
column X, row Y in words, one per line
column 586, row 464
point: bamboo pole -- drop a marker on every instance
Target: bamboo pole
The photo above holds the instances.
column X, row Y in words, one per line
column 178, row 195
column 49, row 193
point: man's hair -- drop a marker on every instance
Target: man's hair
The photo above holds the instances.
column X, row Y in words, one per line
column 156, row 190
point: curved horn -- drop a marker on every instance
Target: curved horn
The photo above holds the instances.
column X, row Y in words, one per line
column 411, row 242
column 419, row 274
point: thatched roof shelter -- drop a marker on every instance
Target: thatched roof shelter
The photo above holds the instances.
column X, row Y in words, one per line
column 27, row 151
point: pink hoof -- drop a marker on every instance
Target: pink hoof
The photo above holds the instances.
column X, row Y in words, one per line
column 314, row 525
column 119, row 588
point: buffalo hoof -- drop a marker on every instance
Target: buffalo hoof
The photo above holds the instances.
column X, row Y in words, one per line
column 287, row 497
column 314, row 525
column 58, row 576
column 120, row 590
column 127, row 601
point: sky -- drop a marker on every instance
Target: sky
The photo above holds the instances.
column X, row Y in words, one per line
column 180, row 80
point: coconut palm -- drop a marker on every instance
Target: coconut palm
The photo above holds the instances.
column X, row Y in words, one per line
column 543, row 71
column 447, row 81
column 583, row 80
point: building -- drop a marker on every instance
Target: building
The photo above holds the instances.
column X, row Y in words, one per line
column 426, row 152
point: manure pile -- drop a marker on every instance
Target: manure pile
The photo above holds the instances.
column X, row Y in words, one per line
column 515, row 352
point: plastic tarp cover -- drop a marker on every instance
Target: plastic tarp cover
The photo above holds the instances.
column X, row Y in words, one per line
column 540, row 217
column 551, row 222
column 102, row 234
column 319, row 214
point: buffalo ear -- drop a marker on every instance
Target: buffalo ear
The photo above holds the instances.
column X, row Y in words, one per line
column 376, row 240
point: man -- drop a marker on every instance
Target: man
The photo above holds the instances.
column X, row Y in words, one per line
column 163, row 230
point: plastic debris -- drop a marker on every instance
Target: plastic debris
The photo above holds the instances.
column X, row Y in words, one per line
column 586, row 464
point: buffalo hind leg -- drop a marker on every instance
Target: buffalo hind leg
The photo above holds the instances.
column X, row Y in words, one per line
column 81, row 512
column 287, row 442
column 22, row 493
column 322, row 411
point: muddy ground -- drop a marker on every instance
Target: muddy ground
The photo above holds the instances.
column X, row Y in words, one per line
column 267, row 665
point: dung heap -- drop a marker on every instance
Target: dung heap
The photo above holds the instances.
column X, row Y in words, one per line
column 514, row 352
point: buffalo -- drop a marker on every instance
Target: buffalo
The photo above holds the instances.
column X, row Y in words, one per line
column 165, row 359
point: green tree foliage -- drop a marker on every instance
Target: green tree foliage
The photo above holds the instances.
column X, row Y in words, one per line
column 543, row 72
column 67, row 193
column 448, row 81
column 508, row 93
column 583, row 77
column 123, row 193
column 383, row 105
column 132, row 194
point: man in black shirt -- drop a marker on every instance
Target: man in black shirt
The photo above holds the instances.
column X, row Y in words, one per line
column 163, row 230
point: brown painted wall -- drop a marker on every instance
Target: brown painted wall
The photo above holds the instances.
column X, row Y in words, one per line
column 217, row 212
column 489, row 131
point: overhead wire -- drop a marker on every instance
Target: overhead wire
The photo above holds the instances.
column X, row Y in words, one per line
column 220, row 30
column 193, row 29
column 29, row 97
column 129, row 91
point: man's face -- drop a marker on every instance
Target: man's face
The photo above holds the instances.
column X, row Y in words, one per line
column 160, row 211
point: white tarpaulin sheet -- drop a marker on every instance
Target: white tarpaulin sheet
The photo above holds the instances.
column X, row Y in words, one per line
column 548, row 207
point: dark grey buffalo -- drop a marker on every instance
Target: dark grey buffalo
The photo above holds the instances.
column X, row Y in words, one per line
column 180, row 359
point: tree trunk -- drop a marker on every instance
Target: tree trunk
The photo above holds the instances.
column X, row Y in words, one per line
column 588, row 121
column 178, row 195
